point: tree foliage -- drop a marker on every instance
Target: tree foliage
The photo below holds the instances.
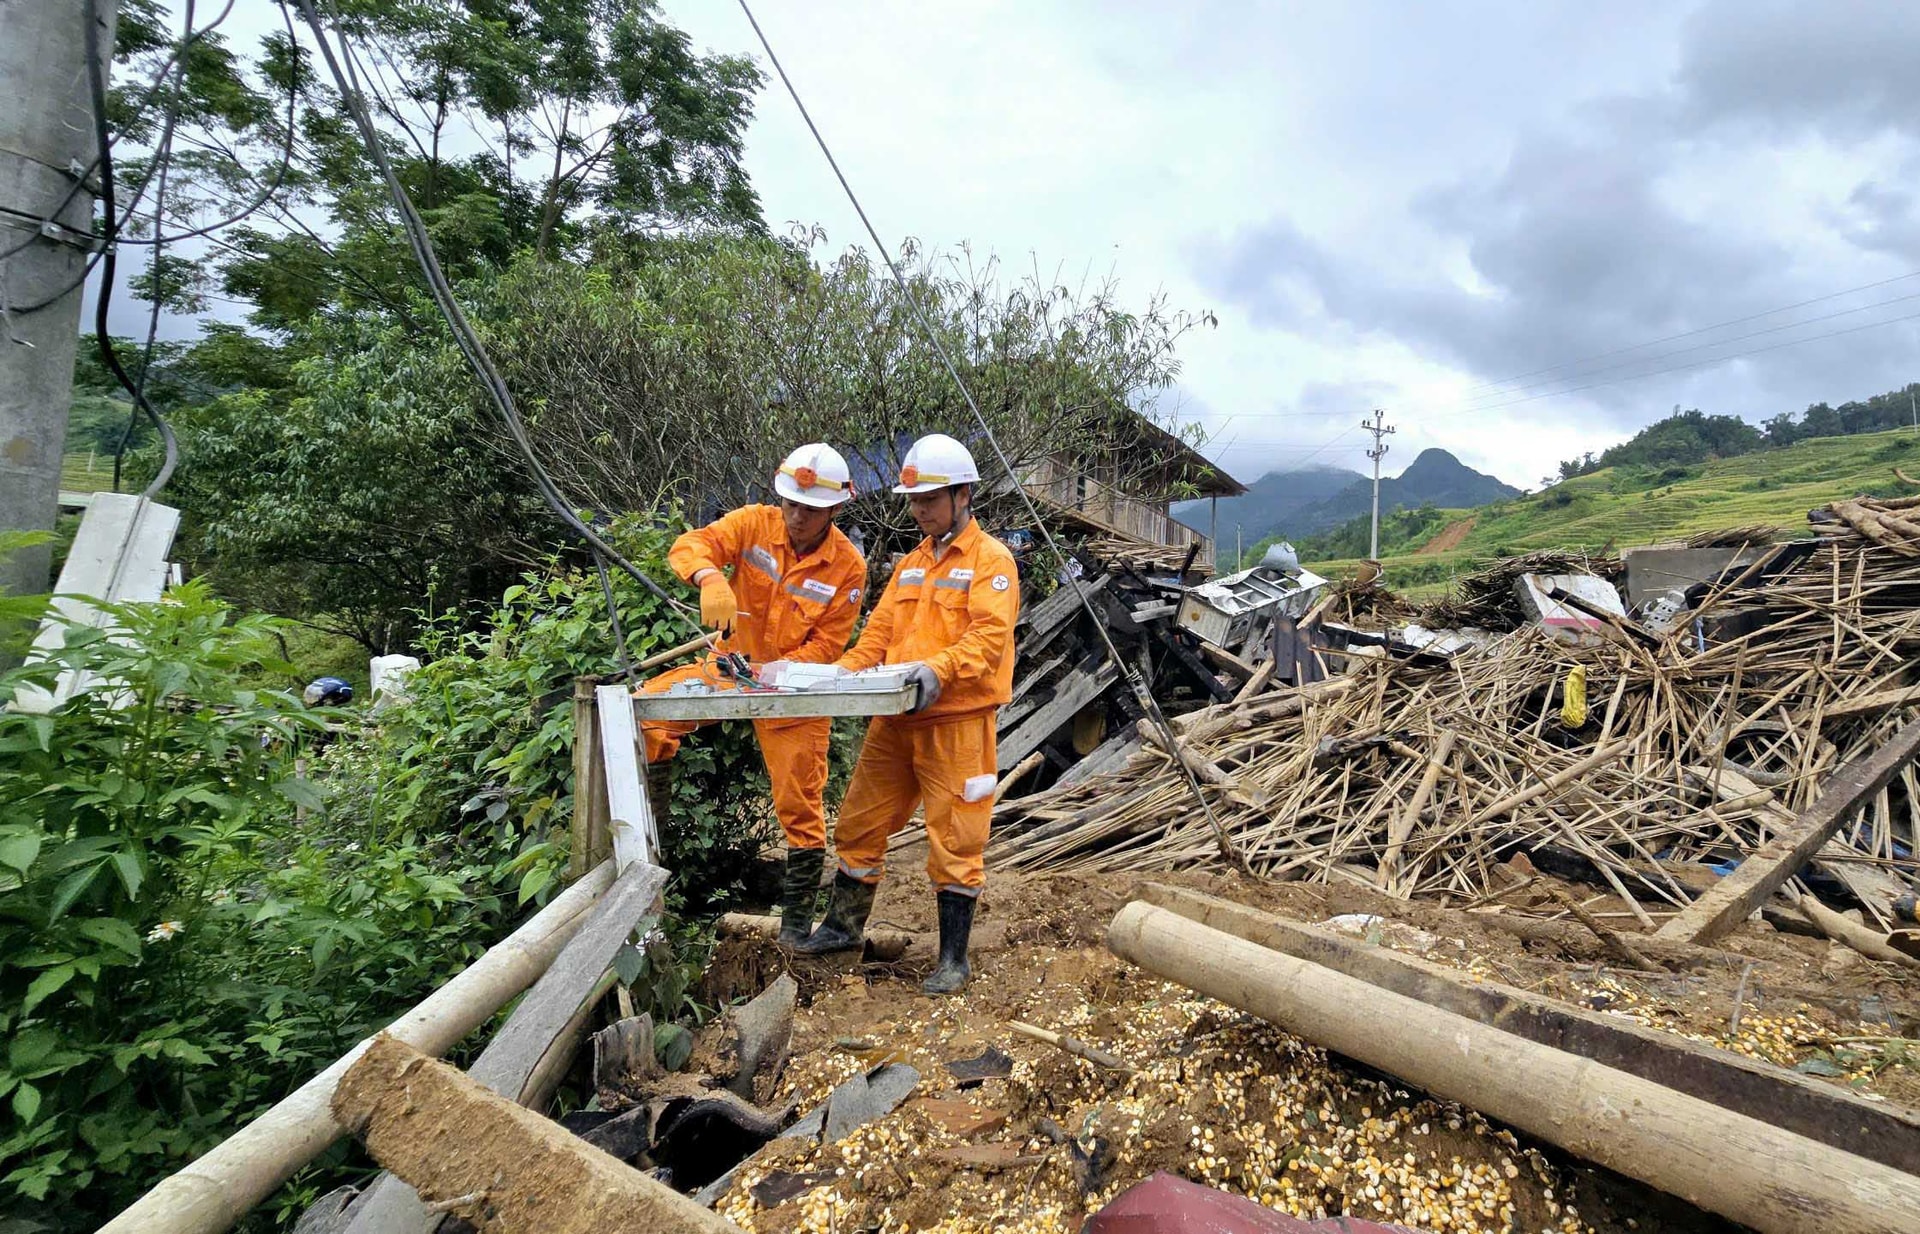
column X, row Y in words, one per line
column 514, row 124
column 668, row 374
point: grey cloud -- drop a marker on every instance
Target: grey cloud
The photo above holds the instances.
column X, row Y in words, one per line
column 1583, row 244
column 1845, row 66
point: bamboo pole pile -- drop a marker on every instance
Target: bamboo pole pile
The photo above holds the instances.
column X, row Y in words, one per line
column 1421, row 779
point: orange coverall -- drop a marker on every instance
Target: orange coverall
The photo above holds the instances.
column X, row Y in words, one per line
column 952, row 610
column 791, row 608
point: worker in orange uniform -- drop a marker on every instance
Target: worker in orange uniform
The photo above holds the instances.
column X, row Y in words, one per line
column 794, row 595
column 949, row 609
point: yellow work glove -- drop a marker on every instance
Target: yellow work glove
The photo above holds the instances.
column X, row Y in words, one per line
column 718, row 608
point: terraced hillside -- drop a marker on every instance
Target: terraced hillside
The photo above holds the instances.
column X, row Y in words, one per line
column 1621, row 507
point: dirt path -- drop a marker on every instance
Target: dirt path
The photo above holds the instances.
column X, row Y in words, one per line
column 1450, row 537
column 1220, row 1097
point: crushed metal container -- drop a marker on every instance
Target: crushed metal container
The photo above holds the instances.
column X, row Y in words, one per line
column 1226, row 610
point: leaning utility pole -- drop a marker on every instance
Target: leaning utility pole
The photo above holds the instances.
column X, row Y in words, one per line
column 46, row 145
column 1379, row 428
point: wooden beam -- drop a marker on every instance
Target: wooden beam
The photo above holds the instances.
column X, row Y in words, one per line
column 1737, row 895
column 508, row 1063
column 589, row 834
column 1228, row 663
column 1074, row 691
column 478, row 1156
column 208, row 1196
column 1744, row 1168
column 1832, row 1115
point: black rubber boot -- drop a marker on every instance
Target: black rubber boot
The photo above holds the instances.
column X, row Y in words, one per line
column 800, row 892
column 845, row 926
column 956, row 923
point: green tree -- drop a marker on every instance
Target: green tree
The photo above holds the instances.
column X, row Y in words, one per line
column 589, row 116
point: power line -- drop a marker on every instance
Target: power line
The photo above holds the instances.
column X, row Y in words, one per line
column 1670, row 338
column 463, row 333
column 1738, row 338
column 97, row 59
column 1140, row 689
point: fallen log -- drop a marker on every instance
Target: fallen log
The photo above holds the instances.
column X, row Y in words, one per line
column 208, row 1196
column 1860, row 938
column 1773, row 863
column 883, row 945
column 1836, row 1116
column 1740, row 1167
column 551, row 1010
column 496, row 1164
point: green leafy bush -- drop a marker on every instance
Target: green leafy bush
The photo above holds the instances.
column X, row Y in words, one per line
column 128, row 816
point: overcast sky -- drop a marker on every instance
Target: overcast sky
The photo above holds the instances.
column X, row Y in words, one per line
column 1438, row 209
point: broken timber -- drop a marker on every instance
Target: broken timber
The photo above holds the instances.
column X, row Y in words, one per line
column 1824, row 1112
column 1737, row 895
column 216, row 1190
column 1741, row 1167
column 508, row 1064
column 494, row 1163
column 1069, row 696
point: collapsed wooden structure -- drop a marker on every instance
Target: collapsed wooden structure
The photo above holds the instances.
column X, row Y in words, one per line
column 1421, row 774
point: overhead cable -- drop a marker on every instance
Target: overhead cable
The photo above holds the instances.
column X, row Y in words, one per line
column 463, row 333
column 1141, row 689
column 97, row 57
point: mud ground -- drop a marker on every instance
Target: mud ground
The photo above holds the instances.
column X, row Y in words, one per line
column 1231, row 1101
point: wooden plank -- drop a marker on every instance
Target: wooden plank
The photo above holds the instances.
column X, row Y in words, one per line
column 1228, row 663
column 1109, row 755
column 508, row 1063
column 1056, row 613
column 629, row 816
column 1026, row 683
column 1797, row 1103
column 1024, row 703
column 591, row 842
column 1074, row 692
column 1737, row 895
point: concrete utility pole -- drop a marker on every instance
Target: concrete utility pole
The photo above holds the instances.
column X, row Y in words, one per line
column 46, row 142
column 1379, row 428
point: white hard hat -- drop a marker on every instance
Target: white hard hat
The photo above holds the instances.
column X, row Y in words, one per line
column 814, row 475
column 935, row 462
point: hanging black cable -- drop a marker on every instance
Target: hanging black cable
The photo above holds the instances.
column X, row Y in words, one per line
column 1142, row 690
column 463, row 333
column 97, row 82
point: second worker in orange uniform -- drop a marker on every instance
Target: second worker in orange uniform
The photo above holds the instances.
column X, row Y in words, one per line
column 794, row 595
column 950, row 608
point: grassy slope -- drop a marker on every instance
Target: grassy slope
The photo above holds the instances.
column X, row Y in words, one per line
column 1622, row 507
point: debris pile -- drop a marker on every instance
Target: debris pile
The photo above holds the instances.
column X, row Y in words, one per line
column 1216, row 1096
column 1638, row 759
column 1072, row 716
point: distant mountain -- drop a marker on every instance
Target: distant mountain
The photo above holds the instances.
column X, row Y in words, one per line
column 1271, row 501
column 1301, row 503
